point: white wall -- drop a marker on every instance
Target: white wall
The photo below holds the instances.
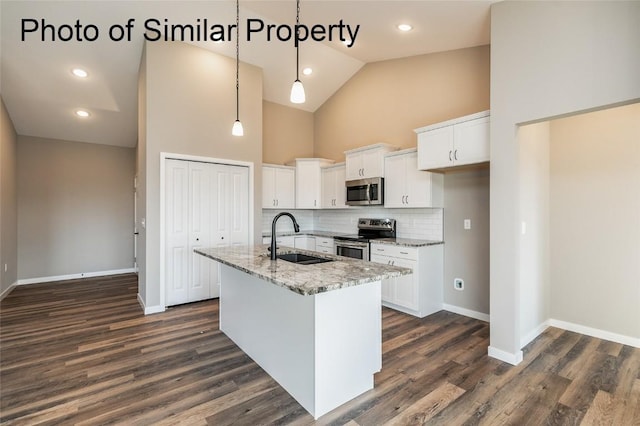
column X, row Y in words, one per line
column 75, row 208
column 595, row 221
column 189, row 108
column 8, row 202
column 533, row 140
column 466, row 251
column 547, row 59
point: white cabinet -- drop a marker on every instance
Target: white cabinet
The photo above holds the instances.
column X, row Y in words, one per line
column 406, row 186
column 305, row 242
column 334, row 192
column 367, row 161
column 324, row 245
column 278, row 187
column 458, row 142
column 309, row 181
column 420, row 293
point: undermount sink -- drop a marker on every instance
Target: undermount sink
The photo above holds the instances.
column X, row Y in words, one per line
column 302, row 259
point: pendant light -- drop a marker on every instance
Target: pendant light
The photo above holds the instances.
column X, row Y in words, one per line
column 297, row 90
column 237, row 129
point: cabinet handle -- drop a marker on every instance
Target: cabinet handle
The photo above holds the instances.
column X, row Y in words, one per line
column 407, row 199
column 450, row 156
column 277, row 202
column 404, row 252
column 455, row 155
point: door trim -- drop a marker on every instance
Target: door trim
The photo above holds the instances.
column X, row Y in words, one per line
column 173, row 156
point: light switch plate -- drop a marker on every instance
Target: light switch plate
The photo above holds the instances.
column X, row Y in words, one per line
column 467, row 224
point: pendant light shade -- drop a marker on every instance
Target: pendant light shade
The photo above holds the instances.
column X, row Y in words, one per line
column 297, row 90
column 237, row 129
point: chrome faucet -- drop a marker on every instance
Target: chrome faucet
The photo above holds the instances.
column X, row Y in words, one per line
column 296, row 228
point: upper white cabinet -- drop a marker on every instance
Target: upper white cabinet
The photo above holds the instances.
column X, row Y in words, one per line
column 278, row 187
column 334, row 192
column 407, row 187
column 367, row 161
column 458, row 142
column 309, row 181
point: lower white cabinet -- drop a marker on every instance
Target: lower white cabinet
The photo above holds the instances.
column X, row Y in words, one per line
column 324, row 245
column 420, row 293
column 305, row 242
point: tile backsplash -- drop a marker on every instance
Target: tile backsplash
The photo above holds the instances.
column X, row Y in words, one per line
column 427, row 224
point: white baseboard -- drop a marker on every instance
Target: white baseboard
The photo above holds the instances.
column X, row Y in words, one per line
column 25, row 281
column 151, row 309
column 466, row 312
column 511, row 358
column 524, row 341
column 594, row 332
column 8, row 290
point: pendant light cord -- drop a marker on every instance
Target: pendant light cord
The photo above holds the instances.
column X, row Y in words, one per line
column 297, row 40
column 237, row 59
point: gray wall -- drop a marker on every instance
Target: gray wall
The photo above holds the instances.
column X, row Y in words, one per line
column 189, row 107
column 8, row 202
column 75, row 207
column 548, row 59
column 595, row 220
column 466, row 252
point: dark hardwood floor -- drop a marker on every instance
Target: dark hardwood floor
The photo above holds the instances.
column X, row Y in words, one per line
column 81, row 352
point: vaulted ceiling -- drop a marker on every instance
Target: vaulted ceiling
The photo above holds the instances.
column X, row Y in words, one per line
column 42, row 95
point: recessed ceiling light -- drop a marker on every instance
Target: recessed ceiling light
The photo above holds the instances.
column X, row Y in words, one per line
column 82, row 113
column 405, row 27
column 79, row 72
column 307, row 71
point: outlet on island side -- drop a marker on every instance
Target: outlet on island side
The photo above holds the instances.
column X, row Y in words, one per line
column 458, row 284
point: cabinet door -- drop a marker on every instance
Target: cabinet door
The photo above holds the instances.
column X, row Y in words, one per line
column 307, row 185
column 435, row 148
column 354, row 166
column 340, row 188
column 305, row 243
column 286, row 241
column 268, row 187
column 471, row 142
column 373, row 163
column 418, row 184
column 395, row 181
column 388, row 284
column 285, row 188
column 406, row 286
column 328, row 188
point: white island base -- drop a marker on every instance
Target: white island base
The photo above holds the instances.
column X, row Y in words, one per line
column 323, row 348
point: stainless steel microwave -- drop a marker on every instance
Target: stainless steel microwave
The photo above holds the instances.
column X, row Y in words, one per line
column 365, row 192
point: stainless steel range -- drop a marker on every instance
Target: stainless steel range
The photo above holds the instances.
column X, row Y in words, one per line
column 357, row 246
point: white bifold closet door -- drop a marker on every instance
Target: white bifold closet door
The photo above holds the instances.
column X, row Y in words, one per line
column 206, row 205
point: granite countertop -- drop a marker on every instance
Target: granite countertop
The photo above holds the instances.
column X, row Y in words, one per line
column 302, row 279
column 405, row 242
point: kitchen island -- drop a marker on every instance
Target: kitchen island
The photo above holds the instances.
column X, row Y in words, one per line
column 315, row 328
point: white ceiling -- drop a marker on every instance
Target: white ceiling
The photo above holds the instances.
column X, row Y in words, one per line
column 41, row 95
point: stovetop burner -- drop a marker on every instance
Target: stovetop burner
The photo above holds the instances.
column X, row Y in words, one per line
column 371, row 229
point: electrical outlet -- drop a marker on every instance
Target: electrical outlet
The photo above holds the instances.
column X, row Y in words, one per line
column 458, row 284
column 467, row 224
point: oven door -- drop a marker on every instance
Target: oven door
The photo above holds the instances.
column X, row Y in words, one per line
column 353, row 250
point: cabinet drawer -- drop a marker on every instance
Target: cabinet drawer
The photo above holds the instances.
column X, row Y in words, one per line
column 394, row 251
column 324, row 242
